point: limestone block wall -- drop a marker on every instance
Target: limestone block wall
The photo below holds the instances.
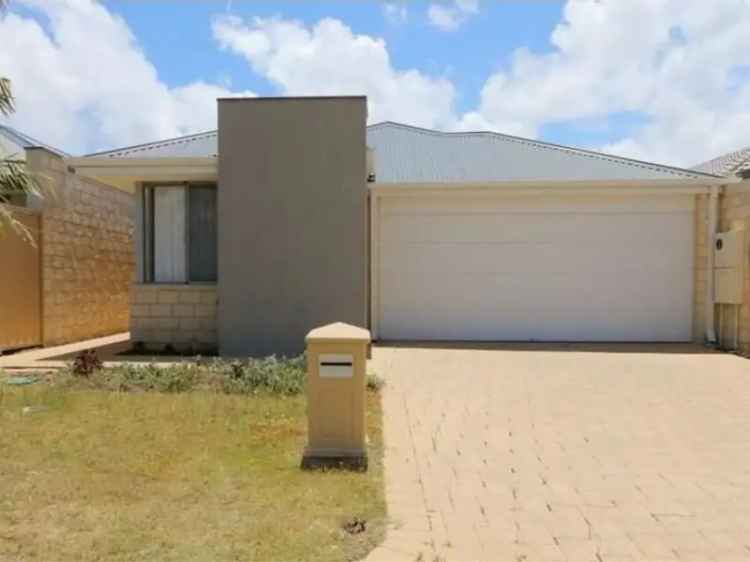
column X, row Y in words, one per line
column 735, row 212
column 87, row 253
column 182, row 316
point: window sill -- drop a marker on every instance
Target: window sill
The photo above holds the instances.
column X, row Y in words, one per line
column 206, row 285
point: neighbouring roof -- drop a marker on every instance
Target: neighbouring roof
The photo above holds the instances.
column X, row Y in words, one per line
column 732, row 164
column 407, row 154
column 14, row 142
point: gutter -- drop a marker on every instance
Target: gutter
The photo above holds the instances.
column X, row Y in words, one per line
column 128, row 166
column 596, row 187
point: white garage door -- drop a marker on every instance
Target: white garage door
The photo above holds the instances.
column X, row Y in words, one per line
column 534, row 268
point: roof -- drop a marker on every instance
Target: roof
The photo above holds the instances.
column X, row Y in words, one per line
column 407, row 154
column 732, row 164
column 197, row 145
column 410, row 154
column 15, row 141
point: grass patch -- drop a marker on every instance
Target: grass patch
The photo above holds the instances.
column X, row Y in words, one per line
column 212, row 474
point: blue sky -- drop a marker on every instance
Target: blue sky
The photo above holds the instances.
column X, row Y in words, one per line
column 484, row 44
column 664, row 81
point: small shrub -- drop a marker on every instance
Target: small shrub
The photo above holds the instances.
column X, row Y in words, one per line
column 251, row 376
column 86, row 363
column 271, row 374
column 355, row 526
column 375, row 383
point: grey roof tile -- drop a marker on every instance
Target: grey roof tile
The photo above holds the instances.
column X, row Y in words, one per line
column 733, row 163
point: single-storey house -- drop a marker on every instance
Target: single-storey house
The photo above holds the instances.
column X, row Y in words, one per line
column 294, row 213
column 73, row 283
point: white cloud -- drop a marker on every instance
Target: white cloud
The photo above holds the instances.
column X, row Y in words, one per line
column 329, row 59
column 395, row 12
column 85, row 84
column 682, row 64
column 453, row 16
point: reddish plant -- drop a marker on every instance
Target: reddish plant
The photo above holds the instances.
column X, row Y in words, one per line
column 86, row 363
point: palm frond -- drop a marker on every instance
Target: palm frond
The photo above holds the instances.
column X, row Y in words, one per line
column 7, row 103
column 16, row 179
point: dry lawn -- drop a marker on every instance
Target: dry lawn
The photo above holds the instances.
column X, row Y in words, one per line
column 94, row 475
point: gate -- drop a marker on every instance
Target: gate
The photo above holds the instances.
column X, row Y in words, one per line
column 20, row 285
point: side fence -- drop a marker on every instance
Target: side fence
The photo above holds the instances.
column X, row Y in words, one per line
column 20, row 285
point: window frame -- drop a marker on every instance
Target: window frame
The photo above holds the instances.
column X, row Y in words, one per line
column 147, row 231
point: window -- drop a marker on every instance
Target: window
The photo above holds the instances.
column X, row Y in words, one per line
column 179, row 233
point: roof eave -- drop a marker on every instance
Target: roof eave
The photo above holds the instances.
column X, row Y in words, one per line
column 125, row 173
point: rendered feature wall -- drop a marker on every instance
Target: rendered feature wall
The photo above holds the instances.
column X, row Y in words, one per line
column 292, row 235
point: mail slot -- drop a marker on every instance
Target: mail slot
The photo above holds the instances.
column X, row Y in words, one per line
column 335, row 366
column 336, row 370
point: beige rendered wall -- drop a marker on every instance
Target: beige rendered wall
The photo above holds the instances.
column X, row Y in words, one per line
column 87, row 253
column 182, row 316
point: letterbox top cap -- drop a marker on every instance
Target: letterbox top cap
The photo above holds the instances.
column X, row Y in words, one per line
column 339, row 332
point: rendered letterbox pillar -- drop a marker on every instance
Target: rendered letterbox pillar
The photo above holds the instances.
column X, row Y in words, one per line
column 336, row 371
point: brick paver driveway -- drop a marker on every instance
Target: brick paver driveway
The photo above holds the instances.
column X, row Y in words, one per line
column 535, row 453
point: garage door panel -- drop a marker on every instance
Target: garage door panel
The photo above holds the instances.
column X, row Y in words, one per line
column 532, row 227
column 553, row 293
column 604, row 318
column 523, row 204
column 534, row 323
column 577, row 275
column 534, row 258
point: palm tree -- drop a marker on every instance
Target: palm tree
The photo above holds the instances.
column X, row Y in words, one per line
column 15, row 178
